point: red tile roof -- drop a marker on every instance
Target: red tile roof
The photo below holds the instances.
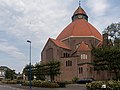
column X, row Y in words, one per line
column 83, row 47
column 79, row 27
column 59, row 44
column 79, row 10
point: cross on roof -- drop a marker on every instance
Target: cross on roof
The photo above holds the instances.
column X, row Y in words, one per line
column 79, row 3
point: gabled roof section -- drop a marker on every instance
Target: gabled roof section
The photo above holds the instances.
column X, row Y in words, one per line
column 83, row 47
column 59, row 44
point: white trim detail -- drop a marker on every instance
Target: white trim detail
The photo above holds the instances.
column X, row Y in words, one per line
column 80, row 36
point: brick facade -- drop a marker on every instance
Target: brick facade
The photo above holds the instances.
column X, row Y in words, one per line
column 73, row 50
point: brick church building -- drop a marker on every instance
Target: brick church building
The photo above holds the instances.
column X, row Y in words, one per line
column 73, row 48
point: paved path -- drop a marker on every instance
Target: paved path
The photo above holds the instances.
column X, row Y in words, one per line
column 7, row 87
column 19, row 87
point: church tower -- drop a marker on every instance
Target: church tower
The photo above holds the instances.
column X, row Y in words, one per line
column 79, row 14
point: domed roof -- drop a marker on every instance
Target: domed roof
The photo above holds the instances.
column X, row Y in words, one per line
column 79, row 28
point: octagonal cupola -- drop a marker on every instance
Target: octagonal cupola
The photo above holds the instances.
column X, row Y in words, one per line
column 79, row 14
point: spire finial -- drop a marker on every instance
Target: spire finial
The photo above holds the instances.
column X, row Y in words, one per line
column 79, row 3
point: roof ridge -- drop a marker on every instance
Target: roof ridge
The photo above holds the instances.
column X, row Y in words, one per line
column 73, row 28
column 88, row 27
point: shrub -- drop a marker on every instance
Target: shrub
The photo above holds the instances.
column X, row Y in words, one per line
column 62, row 84
column 39, row 83
column 25, row 83
column 10, row 81
column 36, row 83
column 75, row 79
column 95, row 84
column 111, row 85
column 54, row 85
column 115, row 85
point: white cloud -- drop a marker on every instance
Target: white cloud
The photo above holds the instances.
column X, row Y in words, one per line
column 34, row 19
column 98, row 7
column 11, row 50
column 102, row 13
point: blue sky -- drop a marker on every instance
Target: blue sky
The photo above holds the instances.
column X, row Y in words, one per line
column 37, row 20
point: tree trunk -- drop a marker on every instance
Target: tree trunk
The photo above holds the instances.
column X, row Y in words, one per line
column 52, row 78
column 116, row 74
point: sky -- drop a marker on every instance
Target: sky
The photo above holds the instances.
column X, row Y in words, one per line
column 38, row 20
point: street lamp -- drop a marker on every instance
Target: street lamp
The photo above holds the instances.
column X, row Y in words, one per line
column 30, row 65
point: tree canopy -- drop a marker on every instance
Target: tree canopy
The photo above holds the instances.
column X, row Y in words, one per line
column 50, row 69
column 113, row 32
column 107, row 58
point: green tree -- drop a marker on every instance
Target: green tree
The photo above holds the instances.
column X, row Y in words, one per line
column 113, row 31
column 39, row 71
column 10, row 74
column 26, row 71
column 53, row 69
column 107, row 58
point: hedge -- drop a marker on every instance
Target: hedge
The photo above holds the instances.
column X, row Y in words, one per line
column 10, row 81
column 39, row 83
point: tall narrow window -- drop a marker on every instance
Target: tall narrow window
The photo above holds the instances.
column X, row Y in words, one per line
column 83, row 56
column 70, row 63
column 66, row 63
column 91, row 69
column 80, row 70
column 86, row 56
column 64, row 55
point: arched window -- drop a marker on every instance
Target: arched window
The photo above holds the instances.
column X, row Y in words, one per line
column 49, row 54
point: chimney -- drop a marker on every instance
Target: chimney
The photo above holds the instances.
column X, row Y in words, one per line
column 105, row 39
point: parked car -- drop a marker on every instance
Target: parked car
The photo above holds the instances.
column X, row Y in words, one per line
column 84, row 81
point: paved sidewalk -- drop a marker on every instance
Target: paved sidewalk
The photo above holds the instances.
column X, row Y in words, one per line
column 68, row 87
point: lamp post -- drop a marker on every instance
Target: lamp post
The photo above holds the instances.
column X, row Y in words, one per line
column 30, row 65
